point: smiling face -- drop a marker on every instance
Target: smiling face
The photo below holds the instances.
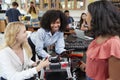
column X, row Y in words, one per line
column 84, row 16
column 55, row 26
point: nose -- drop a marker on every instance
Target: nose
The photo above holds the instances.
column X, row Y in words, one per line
column 57, row 25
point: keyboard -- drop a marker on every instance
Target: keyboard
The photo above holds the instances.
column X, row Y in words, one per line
column 77, row 44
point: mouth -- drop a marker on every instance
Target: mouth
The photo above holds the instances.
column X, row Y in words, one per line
column 55, row 28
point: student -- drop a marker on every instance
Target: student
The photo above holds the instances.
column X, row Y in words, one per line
column 83, row 22
column 103, row 54
column 15, row 56
column 53, row 23
column 13, row 13
column 69, row 18
column 34, row 15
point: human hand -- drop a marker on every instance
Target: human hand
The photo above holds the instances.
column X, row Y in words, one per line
column 36, row 63
column 43, row 63
column 82, row 66
column 66, row 53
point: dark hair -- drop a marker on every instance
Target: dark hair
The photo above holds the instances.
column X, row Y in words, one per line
column 81, row 20
column 15, row 4
column 105, row 18
column 51, row 16
column 66, row 11
column 32, row 8
column 0, row 7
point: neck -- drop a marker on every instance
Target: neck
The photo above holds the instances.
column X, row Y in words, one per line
column 14, row 7
column 84, row 21
column 17, row 46
column 52, row 32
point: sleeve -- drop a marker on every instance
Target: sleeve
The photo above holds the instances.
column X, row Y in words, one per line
column 72, row 19
column 115, row 49
column 31, row 62
column 9, row 71
column 6, row 14
column 18, row 13
column 106, row 50
column 39, row 45
column 60, row 44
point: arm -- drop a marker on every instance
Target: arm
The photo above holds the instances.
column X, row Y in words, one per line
column 11, row 71
column 39, row 43
column 60, row 44
column 7, row 19
column 6, row 14
column 114, row 68
column 19, row 15
column 20, row 18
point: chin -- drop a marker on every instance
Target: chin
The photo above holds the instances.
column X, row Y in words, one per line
column 56, row 29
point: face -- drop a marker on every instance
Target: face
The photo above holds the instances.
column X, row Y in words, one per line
column 32, row 4
column 67, row 14
column 88, row 19
column 55, row 26
column 22, row 35
column 84, row 16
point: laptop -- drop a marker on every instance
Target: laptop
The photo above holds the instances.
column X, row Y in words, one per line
column 80, row 34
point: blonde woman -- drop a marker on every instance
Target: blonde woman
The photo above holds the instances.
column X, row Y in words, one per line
column 15, row 56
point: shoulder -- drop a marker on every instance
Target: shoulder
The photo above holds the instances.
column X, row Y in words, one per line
column 71, row 17
column 4, row 52
column 8, row 10
column 60, row 33
column 41, row 30
column 114, row 41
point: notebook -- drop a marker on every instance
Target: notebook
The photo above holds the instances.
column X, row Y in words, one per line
column 80, row 34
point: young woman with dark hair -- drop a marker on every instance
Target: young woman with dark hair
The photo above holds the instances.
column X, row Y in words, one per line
column 53, row 23
column 83, row 22
column 103, row 54
column 34, row 15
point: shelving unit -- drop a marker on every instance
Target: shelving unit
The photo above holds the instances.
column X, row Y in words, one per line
column 57, row 4
column 116, row 3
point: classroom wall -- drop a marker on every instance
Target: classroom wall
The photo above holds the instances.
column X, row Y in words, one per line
column 74, row 13
column 77, row 13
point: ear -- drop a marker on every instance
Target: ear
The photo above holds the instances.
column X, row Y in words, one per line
column 16, row 36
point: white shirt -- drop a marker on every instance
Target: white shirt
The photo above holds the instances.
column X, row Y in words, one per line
column 11, row 68
column 43, row 38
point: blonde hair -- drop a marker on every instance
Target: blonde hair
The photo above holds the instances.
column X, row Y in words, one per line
column 10, row 36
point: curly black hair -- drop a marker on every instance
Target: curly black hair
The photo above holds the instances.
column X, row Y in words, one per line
column 50, row 17
column 105, row 18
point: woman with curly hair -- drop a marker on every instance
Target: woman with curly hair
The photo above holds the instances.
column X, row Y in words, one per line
column 53, row 23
